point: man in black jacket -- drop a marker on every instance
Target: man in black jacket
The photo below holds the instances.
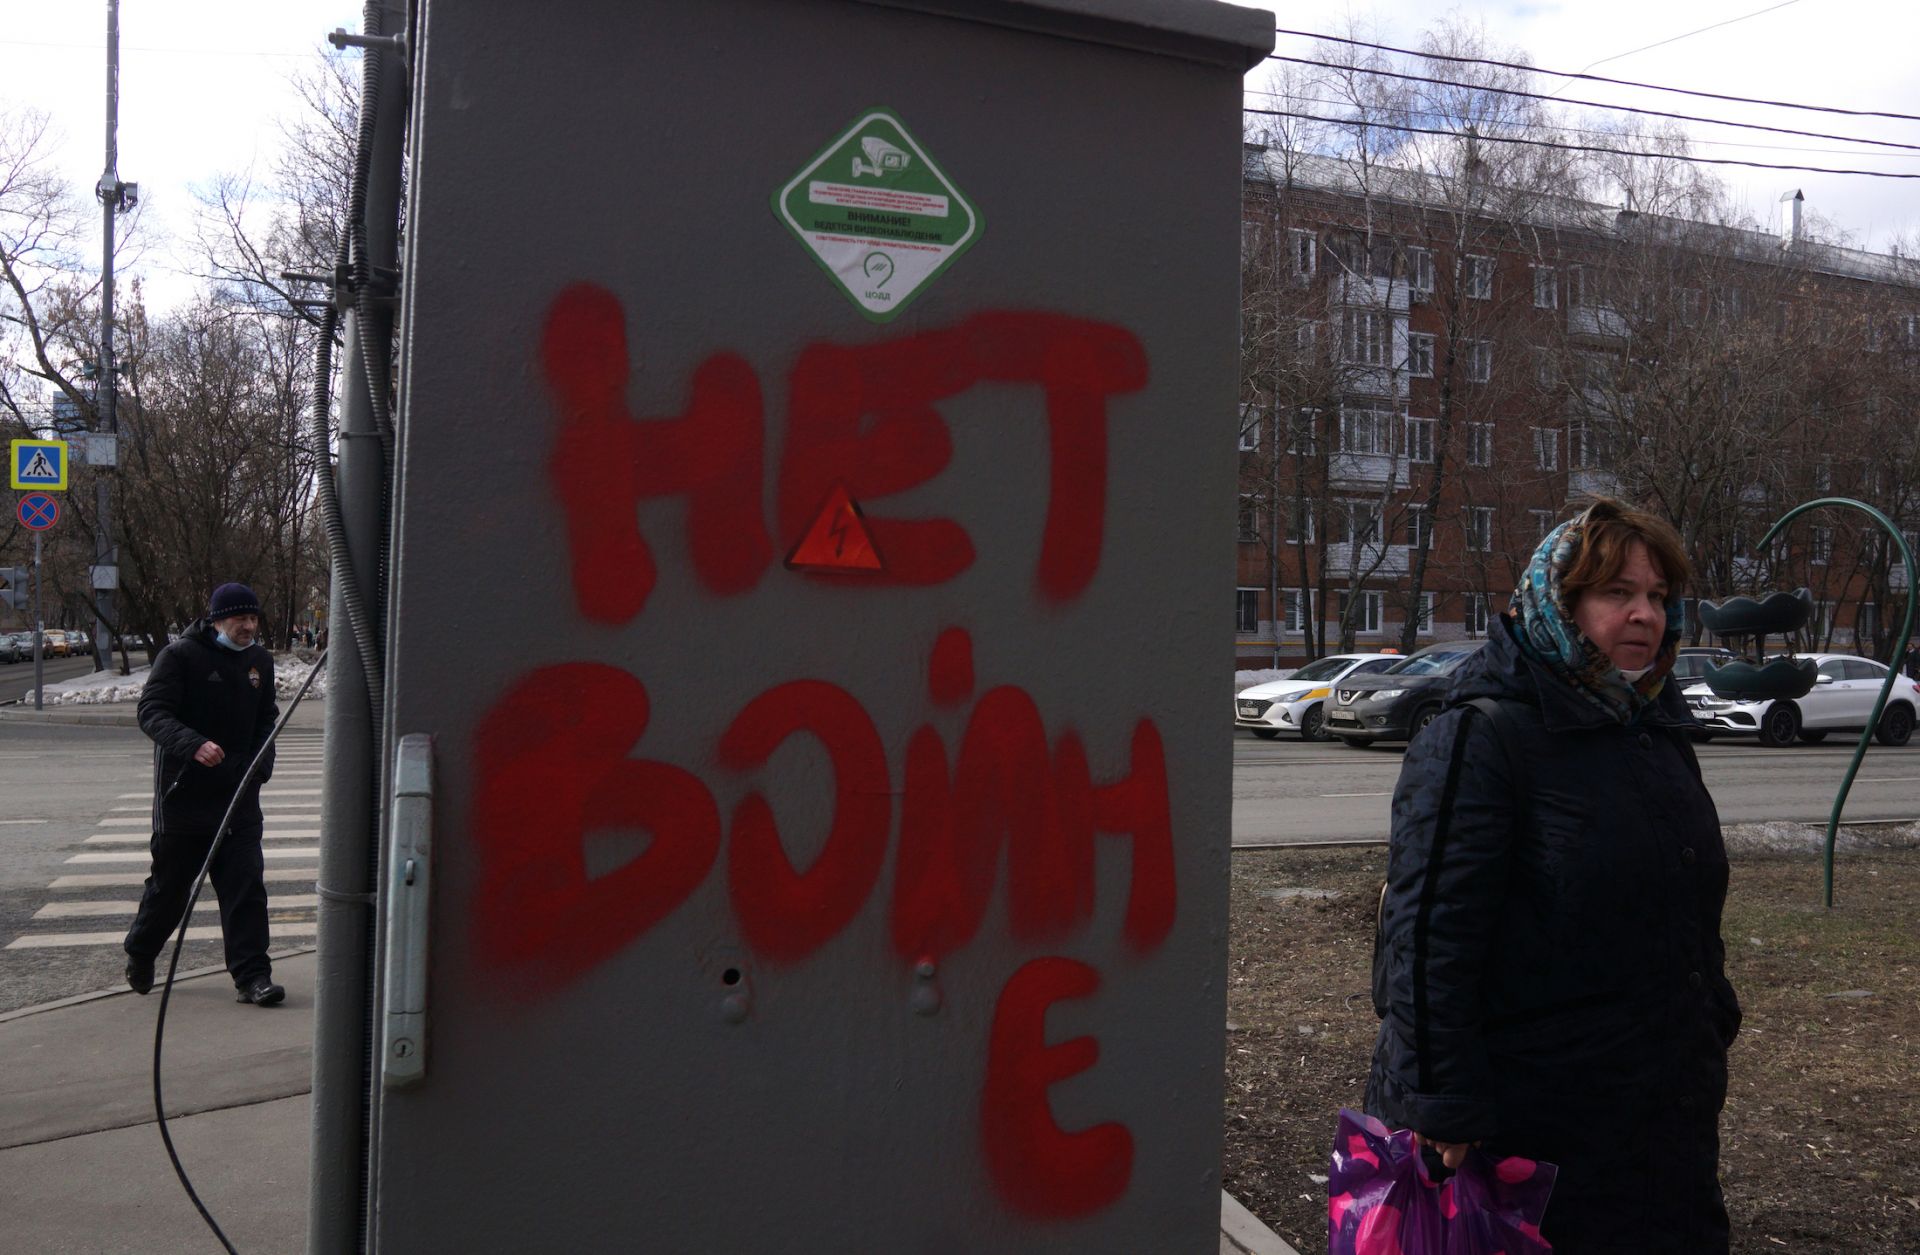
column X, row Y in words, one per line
column 209, row 708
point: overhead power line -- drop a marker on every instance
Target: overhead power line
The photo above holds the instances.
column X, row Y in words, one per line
column 1595, row 104
column 1596, row 78
column 1555, row 128
column 1620, row 56
column 1579, row 148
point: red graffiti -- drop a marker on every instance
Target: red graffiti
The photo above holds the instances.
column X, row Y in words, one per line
column 1041, row 1170
column 552, row 768
column 785, row 914
column 986, row 798
column 604, row 463
column 862, row 417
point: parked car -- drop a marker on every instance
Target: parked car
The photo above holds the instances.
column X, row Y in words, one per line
column 1694, row 661
column 1299, row 702
column 1395, row 704
column 55, row 645
column 15, row 647
column 1841, row 700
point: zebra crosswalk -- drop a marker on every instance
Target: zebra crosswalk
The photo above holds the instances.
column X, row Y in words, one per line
column 112, row 860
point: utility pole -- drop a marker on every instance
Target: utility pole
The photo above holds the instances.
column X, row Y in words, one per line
column 101, row 453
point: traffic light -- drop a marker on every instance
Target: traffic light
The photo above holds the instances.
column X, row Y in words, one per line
column 15, row 594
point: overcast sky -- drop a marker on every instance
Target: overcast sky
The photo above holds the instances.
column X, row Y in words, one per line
column 1850, row 54
column 203, row 81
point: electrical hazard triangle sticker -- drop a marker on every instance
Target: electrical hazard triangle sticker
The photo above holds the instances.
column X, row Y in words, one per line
column 838, row 539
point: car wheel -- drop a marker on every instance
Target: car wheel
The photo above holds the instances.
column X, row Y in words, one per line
column 1812, row 736
column 1265, row 734
column 1313, row 725
column 1896, row 726
column 1780, row 725
column 1421, row 718
column 1358, row 742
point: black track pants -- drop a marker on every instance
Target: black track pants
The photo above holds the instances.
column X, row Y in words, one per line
column 237, row 880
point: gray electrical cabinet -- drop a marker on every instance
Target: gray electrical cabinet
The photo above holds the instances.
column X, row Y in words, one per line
column 813, row 532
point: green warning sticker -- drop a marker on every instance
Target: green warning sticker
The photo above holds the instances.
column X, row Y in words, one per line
column 878, row 214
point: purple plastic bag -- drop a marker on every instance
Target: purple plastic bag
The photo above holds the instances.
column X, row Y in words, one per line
column 1380, row 1200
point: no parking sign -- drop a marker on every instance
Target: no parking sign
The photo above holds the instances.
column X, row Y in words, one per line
column 38, row 511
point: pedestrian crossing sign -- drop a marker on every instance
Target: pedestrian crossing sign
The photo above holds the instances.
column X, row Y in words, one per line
column 39, row 464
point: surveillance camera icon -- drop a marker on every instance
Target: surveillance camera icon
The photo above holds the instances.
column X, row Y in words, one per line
column 882, row 158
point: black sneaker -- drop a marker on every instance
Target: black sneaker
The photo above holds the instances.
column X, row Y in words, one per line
column 139, row 973
column 261, row 991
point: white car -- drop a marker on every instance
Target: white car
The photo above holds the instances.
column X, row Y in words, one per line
column 1298, row 703
column 1841, row 700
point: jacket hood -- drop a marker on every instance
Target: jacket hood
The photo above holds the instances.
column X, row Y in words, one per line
column 1502, row 671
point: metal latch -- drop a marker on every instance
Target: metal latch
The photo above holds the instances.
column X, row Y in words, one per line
column 409, row 892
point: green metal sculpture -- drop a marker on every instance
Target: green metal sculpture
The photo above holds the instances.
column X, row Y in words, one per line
column 1789, row 678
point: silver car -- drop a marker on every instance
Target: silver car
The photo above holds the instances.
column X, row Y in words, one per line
column 1841, row 700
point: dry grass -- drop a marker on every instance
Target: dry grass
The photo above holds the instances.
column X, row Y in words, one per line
column 1823, row 1111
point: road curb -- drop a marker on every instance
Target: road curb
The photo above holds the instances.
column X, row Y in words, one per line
column 82, row 717
column 60, row 1004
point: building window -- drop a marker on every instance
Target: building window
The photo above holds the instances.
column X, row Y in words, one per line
column 1479, row 360
column 1479, row 444
column 1306, row 338
column 1250, row 423
column 1419, row 527
column 1246, row 610
column 1367, row 339
column 1866, row 624
column 1249, row 517
column 1424, row 621
column 1300, row 432
column 1296, row 604
column 1820, row 552
column 1480, row 278
column 1822, row 477
column 1358, row 522
column 1546, row 288
column 1476, row 614
column 1578, row 278
column 1420, row 355
column 1546, row 449
column 1302, row 253
column 1419, row 272
column 1302, row 525
column 1907, row 328
column 1419, row 440
column 1368, row 615
column 1480, row 528
column 1546, row 368
column 1686, row 303
column 1542, row 524
column 1366, row 431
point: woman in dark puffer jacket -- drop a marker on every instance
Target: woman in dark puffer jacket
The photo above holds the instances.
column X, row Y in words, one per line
column 1550, row 974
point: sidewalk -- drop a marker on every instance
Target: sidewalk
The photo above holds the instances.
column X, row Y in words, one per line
column 85, row 1171
column 81, row 1155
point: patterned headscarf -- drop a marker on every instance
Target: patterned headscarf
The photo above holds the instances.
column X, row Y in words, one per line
column 1542, row 623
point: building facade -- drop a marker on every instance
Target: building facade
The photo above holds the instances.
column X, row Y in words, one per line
column 1435, row 373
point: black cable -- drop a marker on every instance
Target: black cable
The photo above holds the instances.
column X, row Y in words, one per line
column 1598, row 78
column 1556, row 128
column 180, row 939
column 1578, row 148
column 1592, row 104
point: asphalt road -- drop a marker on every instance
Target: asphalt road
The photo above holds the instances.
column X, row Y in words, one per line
column 16, row 678
column 1288, row 791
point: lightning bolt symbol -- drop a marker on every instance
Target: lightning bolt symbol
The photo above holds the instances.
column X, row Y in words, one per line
column 839, row 532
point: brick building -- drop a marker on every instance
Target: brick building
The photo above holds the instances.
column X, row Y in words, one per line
column 1435, row 370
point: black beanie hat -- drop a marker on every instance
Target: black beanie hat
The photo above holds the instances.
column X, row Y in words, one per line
column 231, row 599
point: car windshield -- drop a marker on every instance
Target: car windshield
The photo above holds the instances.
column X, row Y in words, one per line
column 1322, row 669
column 1439, row 662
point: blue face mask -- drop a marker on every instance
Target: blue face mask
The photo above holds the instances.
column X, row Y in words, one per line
column 226, row 642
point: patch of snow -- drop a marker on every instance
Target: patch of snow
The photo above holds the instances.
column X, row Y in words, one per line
column 103, row 688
